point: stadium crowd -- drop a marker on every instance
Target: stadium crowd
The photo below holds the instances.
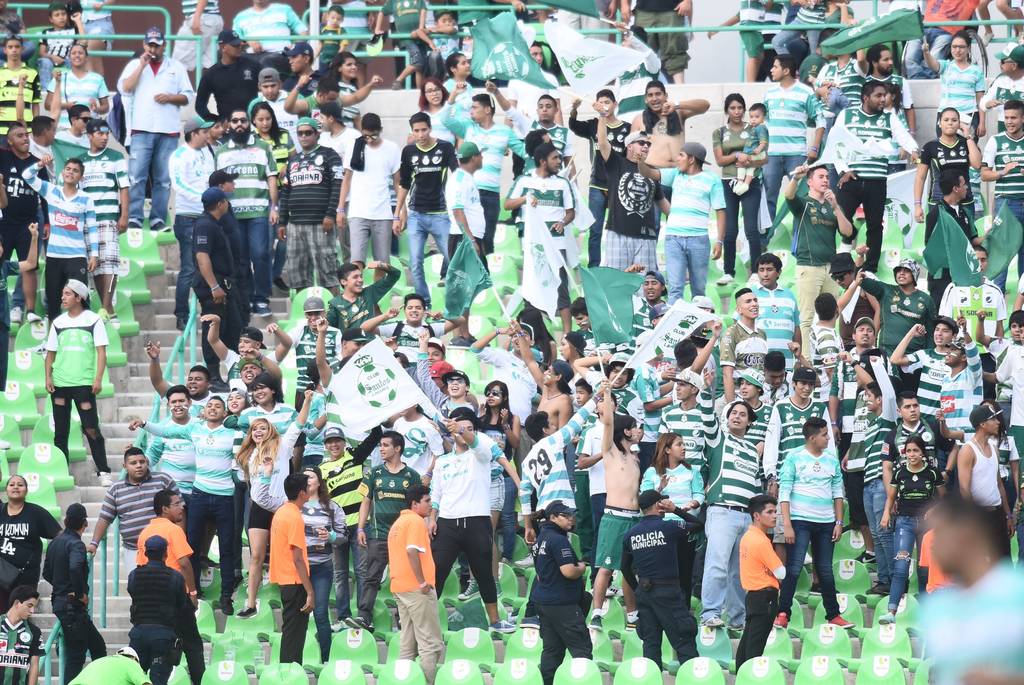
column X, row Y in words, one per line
column 824, row 399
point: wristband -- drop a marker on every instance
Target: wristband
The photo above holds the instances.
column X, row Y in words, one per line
column 360, row 530
column 215, row 287
column 340, row 210
column 332, row 536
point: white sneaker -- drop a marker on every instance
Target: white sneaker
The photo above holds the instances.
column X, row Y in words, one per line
column 338, row 626
column 32, row 317
column 16, row 314
column 525, row 562
column 612, row 591
column 105, row 479
column 725, row 279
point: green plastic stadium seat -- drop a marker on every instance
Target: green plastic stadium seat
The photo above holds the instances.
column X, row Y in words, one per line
column 398, row 672
column 209, row 582
column 269, row 593
column 41, row 492
column 779, row 646
column 9, row 432
column 225, row 673
column 310, row 652
column 49, row 461
column 19, row 404
column 126, row 323
column 761, row 670
column 921, row 672
column 850, row 546
column 240, row 648
column 700, row 671
column 517, row 672
column 165, row 238
column 179, row 676
column 206, row 621
column 26, row 367
column 459, row 672
column 258, row 626
column 849, row 608
column 603, row 650
column 880, row 670
column 851, row 577
column 283, row 674
column 30, row 336
column 472, row 644
column 140, row 245
column 43, row 432
column 504, row 270
column 383, row 620
column 819, row 670
column 524, row 644
column 131, row 283
column 578, row 672
column 116, row 356
column 826, row 640
column 637, row 671
column 354, row 645
column 614, row 620
column 891, row 640
column 507, row 241
column 714, row 643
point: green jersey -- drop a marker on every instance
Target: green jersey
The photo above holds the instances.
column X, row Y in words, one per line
column 848, row 78
column 304, row 344
column 386, row 492
column 692, row 425
column 758, row 428
column 934, row 371
column 21, row 642
column 900, row 312
column 255, row 165
column 343, row 313
column 814, row 232
column 74, row 340
column 734, row 469
column 106, row 174
column 1001, row 150
column 785, row 430
column 881, row 127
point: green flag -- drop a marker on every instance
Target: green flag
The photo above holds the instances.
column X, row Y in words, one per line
column 466, row 279
column 781, row 232
column 948, row 248
column 609, row 295
column 1002, row 241
column 501, row 52
column 62, row 152
column 899, row 25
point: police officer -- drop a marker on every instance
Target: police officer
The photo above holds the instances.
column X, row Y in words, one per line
column 653, row 554
column 558, row 591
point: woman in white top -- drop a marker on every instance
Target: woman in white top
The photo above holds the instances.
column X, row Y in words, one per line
column 977, row 467
column 433, row 101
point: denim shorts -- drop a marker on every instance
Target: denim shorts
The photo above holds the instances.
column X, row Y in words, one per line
column 498, row 492
column 103, row 26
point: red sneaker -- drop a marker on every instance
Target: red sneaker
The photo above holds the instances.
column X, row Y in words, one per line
column 782, row 621
column 840, row 622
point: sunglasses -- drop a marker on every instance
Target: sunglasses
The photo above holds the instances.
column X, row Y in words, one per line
column 241, row 120
column 642, row 143
column 306, row 132
column 495, row 393
column 371, row 136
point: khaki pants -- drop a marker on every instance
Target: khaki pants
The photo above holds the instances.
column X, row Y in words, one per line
column 811, row 281
column 421, row 630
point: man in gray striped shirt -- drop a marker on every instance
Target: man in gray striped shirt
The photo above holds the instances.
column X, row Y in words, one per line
column 131, row 500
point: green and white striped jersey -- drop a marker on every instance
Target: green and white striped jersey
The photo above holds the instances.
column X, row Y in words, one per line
column 934, row 372
column 1000, row 150
column 254, row 163
column 847, row 78
column 692, row 425
column 305, row 350
column 215, row 453
column 785, row 431
column 734, row 469
column 790, row 111
column 106, row 173
column 883, row 127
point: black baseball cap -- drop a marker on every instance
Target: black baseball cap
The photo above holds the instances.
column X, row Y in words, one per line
column 648, row 498
column 254, row 334
column 842, row 263
column 228, row 37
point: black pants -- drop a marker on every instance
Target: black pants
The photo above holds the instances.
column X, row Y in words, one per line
column 375, row 558
column 662, row 612
column 58, row 273
column 471, row 536
column 293, row 623
column 154, row 644
column 80, row 636
column 762, row 607
column 192, row 648
column 230, row 325
column 686, row 565
column 871, row 194
column 562, row 628
column 750, row 201
column 80, row 395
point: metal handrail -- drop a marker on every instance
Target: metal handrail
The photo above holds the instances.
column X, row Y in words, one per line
column 20, row 6
column 56, row 639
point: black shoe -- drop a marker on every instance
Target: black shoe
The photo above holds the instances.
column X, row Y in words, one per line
column 247, row 612
column 279, row 282
column 879, row 589
column 179, row 323
column 227, row 607
column 219, row 386
column 869, row 557
column 359, row 623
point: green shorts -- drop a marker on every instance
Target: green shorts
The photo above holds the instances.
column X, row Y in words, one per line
column 610, row 534
column 753, row 42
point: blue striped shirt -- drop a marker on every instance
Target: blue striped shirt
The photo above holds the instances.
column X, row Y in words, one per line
column 73, row 231
column 215, row 456
column 962, row 393
column 544, row 472
column 694, row 197
column 779, row 317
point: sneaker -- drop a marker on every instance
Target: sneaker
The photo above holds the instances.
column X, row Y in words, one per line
column 713, row 622
column 596, row 622
column 247, row 612
column 740, row 187
column 179, row 322
column 471, row 591
column 32, row 317
column 525, row 562
column 227, row 607
column 631, row 618
column 869, row 557
column 505, row 627
column 725, row 279
column 840, row 622
column 612, row 591
column 261, row 309
column 105, row 479
column 159, row 228
column 782, row 620
column 103, row 314
column 737, row 628
column 359, row 623
column 337, row 626
column 887, row 618
column 16, row 314
column 879, row 589
column 530, row 622
column 462, row 341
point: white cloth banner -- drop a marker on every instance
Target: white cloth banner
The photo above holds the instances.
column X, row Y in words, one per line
column 679, row 323
column 899, row 205
column 541, row 264
column 588, row 64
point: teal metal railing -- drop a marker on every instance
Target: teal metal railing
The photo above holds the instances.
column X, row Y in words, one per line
column 54, row 643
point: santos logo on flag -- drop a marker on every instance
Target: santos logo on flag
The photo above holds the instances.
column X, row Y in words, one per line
column 505, row 62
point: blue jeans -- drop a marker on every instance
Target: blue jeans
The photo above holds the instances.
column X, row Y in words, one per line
column 791, row 43
column 420, row 226
column 153, row 643
column 598, row 202
column 507, row 523
column 150, row 153
column 342, row 593
column 819, row 537
column 320, row 577
column 721, row 586
column 255, row 235
column 774, row 169
column 905, row 536
column 44, row 65
column 220, row 509
column 913, row 54
column 686, row 256
column 874, row 506
column 1017, row 208
column 183, row 226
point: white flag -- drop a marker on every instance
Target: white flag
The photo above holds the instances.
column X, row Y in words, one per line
column 541, row 264
column 842, row 147
column 899, row 204
column 588, row 64
column 372, row 387
column 679, row 323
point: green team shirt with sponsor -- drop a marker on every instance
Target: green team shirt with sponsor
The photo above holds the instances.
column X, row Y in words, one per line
column 74, row 341
column 900, row 312
column 758, row 428
column 254, row 163
column 1001, row 150
column 693, row 426
column 18, row 644
column 847, row 78
column 868, row 127
column 386, row 492
column 934, row 371
column 106, row 173
column 734, row 470
column 304, row 345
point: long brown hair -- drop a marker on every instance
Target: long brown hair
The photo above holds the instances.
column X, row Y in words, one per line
column 665, row 441
column 250, row 455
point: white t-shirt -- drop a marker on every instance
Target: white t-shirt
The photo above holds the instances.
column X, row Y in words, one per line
column 968, row 300
column 554, row 196
column 422, row 443
column 591, row 445
column 369, row 195
column 461, row 193
column 340, row 143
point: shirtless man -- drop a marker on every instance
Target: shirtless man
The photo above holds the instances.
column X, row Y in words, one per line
column 664, row 122
column 622, row 478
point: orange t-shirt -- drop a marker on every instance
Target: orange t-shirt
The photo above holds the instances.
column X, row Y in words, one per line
column 758, row 561
column 177, row 544
column 287, row 530
column 937, row 578
column 409, row 531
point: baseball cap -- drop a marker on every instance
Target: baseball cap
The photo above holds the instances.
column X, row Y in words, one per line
column 249, row 361
column 865, row 321
column 559, row 508
column 468, row 150
column 220, row 177
column 983, row 413
column 313, row 304
column 333, row 433
column 464, row 414
column 648, row 498
column 192, row 124
column 810, row 68
column 212, row 196
column 696, row 150
column 436, row 342
column 619, row 358
column 96, row 125
column 128, row 652
column 562, row 369
column 804, row 374
column 229, row 37
column 154, row 36
column 692, row 377
column 842, row 263
column 454, row 375
column 752, row 376
column 1017, row 55
column 156, row 544
column 948, row 322
column 703, row 302
column 78, row 288
column 657, row 311
column 635, row 136
column 308, row 121
column 254, row 334
column 268, row 75
column 300, row 48
column 656, row 275
column 440, row 369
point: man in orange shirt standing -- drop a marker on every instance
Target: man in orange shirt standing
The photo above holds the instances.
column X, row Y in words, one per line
column 760, row 573
column 289, row 567
column 412, row 582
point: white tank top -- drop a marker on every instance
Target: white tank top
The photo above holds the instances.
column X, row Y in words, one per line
column 984, row 484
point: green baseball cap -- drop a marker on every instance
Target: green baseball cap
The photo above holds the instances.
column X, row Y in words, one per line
column 308, row 121
column 468, row 150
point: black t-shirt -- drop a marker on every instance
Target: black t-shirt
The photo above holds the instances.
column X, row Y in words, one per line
column 22, row 202
column 551, row 550
column 21, row 536
column 940, row 157
column 424, row 173
column 616, row 139
column 655, row 6
column 210, row 238
column 630, row 198
column 915, row 491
